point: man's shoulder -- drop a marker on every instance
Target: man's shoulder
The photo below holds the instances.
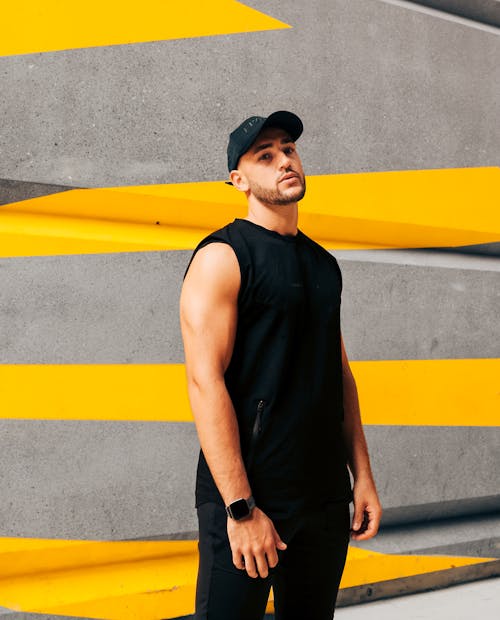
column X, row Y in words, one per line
column 222, row 234
column 327, row 257
column 317, row 246
column 221, row 239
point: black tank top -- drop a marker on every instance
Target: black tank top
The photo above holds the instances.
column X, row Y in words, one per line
column 285, row 373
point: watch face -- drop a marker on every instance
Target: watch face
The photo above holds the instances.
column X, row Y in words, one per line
column 239, row 509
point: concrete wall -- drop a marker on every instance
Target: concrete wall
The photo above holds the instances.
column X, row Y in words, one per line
column 85, row 479
column 485, row 11
column 379, row 85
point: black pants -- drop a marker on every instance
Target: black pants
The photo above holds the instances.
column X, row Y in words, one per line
column 305, row 581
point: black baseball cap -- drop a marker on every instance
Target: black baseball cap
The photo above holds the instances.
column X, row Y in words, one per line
column 242, row 138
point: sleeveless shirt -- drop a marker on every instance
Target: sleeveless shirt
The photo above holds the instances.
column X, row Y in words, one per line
column 285, row 373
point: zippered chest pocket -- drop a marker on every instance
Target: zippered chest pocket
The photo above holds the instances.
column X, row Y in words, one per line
column 257, row 426
column 256, row 431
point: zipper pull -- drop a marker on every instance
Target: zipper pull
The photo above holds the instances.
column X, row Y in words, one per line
column 260, row 408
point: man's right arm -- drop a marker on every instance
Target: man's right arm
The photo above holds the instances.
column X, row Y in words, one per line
column 208, row 315
column 208, row 312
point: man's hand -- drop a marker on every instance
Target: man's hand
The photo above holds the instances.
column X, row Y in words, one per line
column 367, row 510
column 252, row 539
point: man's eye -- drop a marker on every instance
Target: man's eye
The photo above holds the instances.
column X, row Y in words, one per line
column 265, row 156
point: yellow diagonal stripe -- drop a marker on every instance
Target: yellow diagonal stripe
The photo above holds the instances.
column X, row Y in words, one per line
column 31, row 26
column 364, row 566
column 443, row 392
column 95, row 392
column 93, row 579
column 149, row 580
column 456, row 392
column 418, row 208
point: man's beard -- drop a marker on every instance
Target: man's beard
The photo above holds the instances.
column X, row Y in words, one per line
column 275, row 196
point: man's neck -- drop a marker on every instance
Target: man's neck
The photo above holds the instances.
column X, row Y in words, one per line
column 280, row 218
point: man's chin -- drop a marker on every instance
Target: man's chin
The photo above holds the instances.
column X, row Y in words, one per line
column 296, row 195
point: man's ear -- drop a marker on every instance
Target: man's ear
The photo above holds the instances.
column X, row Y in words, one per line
column 238, row 180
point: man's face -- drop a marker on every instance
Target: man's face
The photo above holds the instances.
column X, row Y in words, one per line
column 272, row 168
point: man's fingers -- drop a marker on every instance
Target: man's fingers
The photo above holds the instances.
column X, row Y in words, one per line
column 262, row 566
column 369, row 526
column 357, row 519
column 255, row 546
column 360, row 523
column 364, row 535
column 238, row 560
column 250, row 565
column 272, row 557
column 279, row 543
column 256, row 565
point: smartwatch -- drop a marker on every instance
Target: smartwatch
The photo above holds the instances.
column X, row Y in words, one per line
column 240, row 508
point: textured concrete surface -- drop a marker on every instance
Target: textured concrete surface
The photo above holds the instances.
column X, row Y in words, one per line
column 427, row 312
column 379, row 86
column 474, row 536
column 442, row 509
column 109, row 308
column 123, row 308
column 486, row 249
column 13, row 191
column 124, row 480
column 462, row 602
column 97, row 480
column 417, row 466
column 131, row 480
column 486, row 11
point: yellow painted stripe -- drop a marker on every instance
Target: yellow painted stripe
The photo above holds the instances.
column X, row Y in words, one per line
column 364, row 566
column 148, row 580
column 149, row 392
column 447, row 392
column 99, row 579
column 417, row 208
column 32, row 26
column 455, row 392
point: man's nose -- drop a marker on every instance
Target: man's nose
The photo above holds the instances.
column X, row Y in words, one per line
column 285, row 161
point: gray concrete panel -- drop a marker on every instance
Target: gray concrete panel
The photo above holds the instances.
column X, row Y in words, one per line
column 128, row 480
column 473, row 536
column 379, row 86
column 460, row 602
column 392, row 311
column 442, row 509
column 481, row 249
column 97, row 480
column 123, row 307
column 14, row 191
column 428, row 466
column 438, row 257
column 486, row 11
column 95, row 308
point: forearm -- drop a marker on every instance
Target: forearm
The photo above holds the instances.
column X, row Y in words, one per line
column 353, row 434
column 219, row 437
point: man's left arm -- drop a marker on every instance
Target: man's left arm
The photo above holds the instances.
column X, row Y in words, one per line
column 367, row 508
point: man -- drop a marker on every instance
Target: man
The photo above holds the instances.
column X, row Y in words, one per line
column 273, row 398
